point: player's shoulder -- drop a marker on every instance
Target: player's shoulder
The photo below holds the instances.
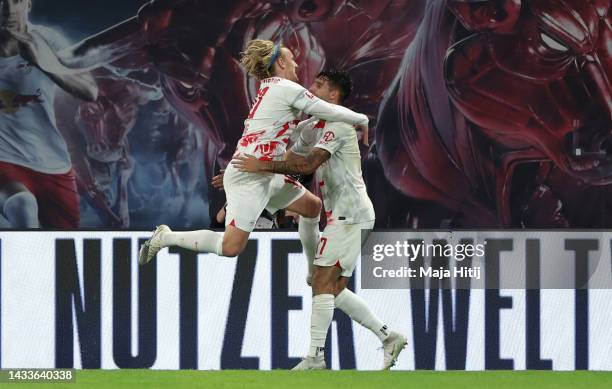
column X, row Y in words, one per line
column 287, row 83
column 291, row 86
column 339, row 128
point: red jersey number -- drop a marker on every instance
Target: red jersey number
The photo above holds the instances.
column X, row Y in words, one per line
column 322, row 244
column 260, row 95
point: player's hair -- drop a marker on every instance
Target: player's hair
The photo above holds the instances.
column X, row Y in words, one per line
column 338, row 79
column 259, row 57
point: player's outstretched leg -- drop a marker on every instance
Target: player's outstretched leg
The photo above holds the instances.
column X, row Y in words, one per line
column 229, row 244
column 358, row 310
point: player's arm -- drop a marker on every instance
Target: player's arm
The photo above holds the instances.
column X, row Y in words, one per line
column 312, row 105
column 296, row 165
column 307, row 138
column 34, row 48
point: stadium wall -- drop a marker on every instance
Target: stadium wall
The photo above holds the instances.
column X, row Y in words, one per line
column 79, row 299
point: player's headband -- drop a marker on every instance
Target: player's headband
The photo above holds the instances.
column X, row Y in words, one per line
column 275, row 53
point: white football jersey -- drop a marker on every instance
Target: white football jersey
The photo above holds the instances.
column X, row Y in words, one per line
column 344, row 192
column 28, row 133
column 274, row 114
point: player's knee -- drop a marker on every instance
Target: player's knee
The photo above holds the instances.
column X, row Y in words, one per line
column 21, row 209
column 22, row 202
column 231, row 249
column 321, row 284
column 314, row 207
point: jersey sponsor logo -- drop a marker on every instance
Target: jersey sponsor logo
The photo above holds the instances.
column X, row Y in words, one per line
column 11, row 102
column 309, row 95
column 328, row 137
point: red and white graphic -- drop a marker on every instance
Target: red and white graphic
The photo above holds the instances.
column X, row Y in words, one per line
column 327, row 137
column 250, row 138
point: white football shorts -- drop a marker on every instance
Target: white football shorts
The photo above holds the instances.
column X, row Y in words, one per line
column 248, row 194
column 340, row 245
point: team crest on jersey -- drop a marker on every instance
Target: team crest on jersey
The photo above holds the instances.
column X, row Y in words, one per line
column 11, row 102
column 328, row 137
column 309, row 95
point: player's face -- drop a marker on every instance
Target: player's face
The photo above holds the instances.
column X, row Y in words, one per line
column 320, row 88
column 14, row 14
column 290, row 64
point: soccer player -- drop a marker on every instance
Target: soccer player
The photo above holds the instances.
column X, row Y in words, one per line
column 269, row 124
column 336, row 160
column 37, row 184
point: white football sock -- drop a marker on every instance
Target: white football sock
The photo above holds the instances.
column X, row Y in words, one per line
column 308, row 228
column 358, row 310
column 202, row 241
column 320, row 320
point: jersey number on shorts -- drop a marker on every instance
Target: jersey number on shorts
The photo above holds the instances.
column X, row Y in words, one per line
column 322, row 244
column 260, row 95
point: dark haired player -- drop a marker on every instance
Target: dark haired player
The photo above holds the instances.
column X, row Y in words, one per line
column 336, row 159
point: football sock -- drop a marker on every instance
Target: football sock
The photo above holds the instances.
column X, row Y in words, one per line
column 320, row 320
column 308, row 228
column 203, row 241
column 358, row 310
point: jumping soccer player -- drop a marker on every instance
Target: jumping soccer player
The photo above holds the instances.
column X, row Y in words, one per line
column 37, row 184
column 266, row 134
column 336, row 160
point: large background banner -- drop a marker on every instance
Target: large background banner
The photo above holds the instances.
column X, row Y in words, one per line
column 79, row 299
column 483, row 113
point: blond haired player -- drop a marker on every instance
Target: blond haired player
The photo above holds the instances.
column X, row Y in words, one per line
column 280, row 101
column 336, row 160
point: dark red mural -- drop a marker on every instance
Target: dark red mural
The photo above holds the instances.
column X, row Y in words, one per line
column 489, row 113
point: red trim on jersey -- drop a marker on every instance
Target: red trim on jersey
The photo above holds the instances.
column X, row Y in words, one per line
column 267, row 150
column 283, row 130
column 338, row 264
column 320, row 124
column 321, row 183
column 233, row 223
column 250, row 138
column 286, row 128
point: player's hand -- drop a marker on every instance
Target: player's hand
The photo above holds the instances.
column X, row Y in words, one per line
column 217, row 181
column 363, row 129
column 306, row 125
column 248, row 163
